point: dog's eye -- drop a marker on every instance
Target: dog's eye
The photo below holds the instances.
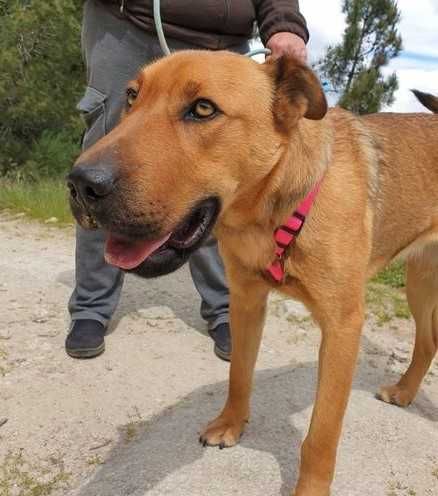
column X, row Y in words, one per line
column 131, row 95
column 201, row 109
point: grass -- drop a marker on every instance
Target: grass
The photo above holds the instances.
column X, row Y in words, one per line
column 131, row 429
column 20, row 478
column 395, row 486
column 3, row 365
column 393, row 275
column 94, row 460
column 386, row 303
column 41, row 200
column 384, row 298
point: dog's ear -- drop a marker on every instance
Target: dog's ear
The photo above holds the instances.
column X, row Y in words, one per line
column 298, row 92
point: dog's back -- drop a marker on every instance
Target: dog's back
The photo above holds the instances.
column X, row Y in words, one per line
column 428, row 100
column 406, row 159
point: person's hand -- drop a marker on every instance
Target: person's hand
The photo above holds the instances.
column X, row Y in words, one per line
column 285, row 43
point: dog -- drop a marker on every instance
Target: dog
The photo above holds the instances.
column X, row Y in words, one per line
column 216, row 142
column 428, row 100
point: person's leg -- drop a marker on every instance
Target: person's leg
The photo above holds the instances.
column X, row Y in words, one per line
column 114, row 50
column 208, row 275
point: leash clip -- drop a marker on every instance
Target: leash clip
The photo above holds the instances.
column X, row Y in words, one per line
column 122, row 6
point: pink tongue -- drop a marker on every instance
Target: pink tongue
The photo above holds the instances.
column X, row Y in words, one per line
column 129, row 254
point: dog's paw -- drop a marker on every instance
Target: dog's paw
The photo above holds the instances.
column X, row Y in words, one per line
column 224, row 432
column 396, row 395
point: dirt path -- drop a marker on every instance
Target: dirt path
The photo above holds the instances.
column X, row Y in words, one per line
column 127, row 423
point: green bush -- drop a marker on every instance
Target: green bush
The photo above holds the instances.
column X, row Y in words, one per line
column 393, row 275
column 51, row 155
column 41, row 79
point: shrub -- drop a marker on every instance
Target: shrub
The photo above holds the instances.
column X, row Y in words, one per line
column 51, row 155
column 41, row 80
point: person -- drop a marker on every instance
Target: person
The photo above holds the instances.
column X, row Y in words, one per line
column 118, row 38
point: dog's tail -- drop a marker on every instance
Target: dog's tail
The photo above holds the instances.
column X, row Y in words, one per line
column 428, row 100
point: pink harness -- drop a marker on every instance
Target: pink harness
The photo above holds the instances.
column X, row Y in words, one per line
column 287, row 233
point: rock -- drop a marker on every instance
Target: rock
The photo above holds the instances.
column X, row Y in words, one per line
column 156, row 313
column 48, row 333
column 51, row 220
column 100, row 444
column 40, row 320
column 180, row 326
column 42, row 316
column 7, row 215
column 5, row 334
column 291, row 308
column 169, row 325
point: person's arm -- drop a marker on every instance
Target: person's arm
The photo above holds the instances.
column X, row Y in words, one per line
column 282, row 27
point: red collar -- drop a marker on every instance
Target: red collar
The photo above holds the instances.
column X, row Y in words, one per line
column 286, row 234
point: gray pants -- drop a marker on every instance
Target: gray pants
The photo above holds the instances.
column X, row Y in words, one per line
column 114, row 50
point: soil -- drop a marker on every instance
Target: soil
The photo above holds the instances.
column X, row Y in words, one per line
column 127, row 422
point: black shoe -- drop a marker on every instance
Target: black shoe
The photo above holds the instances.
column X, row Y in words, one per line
column 86, row 339
column 222, row 341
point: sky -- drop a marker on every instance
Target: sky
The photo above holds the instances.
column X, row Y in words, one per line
column 416, row 67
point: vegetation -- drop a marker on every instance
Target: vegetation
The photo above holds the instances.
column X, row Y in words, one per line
column 354, row 67
column 18, row 477
column 394, row 275
column 3, row 365
column 42, row 200
column 41, row 80
column 386, row 303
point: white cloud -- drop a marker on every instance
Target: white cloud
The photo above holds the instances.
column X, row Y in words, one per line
column 326, row 24
column 419, row 25
column 419, row 30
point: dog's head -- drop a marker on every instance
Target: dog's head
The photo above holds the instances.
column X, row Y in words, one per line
column 199, row 128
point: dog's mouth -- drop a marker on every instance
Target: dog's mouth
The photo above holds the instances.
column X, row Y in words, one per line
column 151, row 258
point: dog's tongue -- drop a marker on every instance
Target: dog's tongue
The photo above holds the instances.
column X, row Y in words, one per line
column 128, row 254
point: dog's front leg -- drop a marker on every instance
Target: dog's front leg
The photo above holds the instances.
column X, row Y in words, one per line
column 337, row 359
column 248, row 299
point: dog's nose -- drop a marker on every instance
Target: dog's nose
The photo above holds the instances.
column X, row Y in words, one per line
column 90, row 184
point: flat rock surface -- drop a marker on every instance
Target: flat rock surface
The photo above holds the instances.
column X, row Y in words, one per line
column 127, row 423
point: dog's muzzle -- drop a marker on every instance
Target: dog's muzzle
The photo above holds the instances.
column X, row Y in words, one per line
column 136, row 243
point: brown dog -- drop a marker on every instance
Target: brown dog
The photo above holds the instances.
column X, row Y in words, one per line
column 216, row 139
column 428, row 100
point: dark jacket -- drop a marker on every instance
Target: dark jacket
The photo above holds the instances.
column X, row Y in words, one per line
column 215, row 24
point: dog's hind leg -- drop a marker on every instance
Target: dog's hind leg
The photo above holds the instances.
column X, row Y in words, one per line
column 248, row 299
column 422, row 292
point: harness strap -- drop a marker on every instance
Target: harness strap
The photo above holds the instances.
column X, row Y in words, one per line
column 286, row 234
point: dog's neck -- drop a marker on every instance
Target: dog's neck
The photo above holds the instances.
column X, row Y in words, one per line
column 299, row 165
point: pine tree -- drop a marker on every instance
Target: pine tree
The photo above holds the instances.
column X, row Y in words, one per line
column 354, row 67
